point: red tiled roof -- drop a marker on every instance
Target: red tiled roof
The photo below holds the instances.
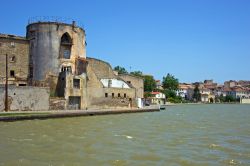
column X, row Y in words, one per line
column 155, row 93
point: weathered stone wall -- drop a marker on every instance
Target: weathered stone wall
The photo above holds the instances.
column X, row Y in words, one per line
column 17, row 49
column 25, row 98
column 100, row 68
column 136, row 82
column 97, row 70
column 72, row 90
column 57, row 104
column 125, row 99
column 129, row 93
column 94, row 86
column 103, row 103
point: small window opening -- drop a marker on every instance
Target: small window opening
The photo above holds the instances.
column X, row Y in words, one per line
column 106, row 94
column 13, row 59
column 113, row 95
column 119, row 95
column 125, row 95
column 12, row 73
column 76, row 83
column 109, row 83
column 129, row 82
column 66, row 54
column 12, row 44
column 21, row 84
column 66, row 69
column 31, row 71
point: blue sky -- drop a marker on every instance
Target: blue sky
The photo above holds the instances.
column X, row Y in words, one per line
column 191, row 39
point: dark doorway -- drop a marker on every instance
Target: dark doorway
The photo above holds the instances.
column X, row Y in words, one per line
column 74, row 102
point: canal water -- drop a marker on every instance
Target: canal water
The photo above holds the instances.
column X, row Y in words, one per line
column 180, row 135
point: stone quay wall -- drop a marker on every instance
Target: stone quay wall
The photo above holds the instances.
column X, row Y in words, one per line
column 25, row 98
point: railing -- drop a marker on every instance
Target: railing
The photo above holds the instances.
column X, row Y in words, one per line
column 54, row 19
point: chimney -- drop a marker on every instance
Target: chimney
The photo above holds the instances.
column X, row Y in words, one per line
column 73, row 23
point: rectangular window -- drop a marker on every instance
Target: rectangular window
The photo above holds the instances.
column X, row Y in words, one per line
column 125, row 95
column 12, row 73
column 113, row 95
column 13, row 59
column 66, row 54
column 31, row 72
column 119, row 95
column 76, row 83
column 110, row 83
column 106, row 94
column 129, row 82
column 12, row 44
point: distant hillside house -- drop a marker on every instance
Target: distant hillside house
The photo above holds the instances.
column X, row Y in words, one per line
column 158, row 98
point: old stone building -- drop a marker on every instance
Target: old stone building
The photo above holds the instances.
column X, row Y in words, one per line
column 17, row 50
column 137, row 83
column 106, row 89
column 53, row 55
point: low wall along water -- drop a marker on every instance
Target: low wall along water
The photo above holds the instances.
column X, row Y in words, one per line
column 25, row 98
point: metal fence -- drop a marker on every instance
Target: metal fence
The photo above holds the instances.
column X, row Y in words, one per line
column 54, row 19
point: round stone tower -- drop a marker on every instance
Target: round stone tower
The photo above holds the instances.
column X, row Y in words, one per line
column 54, row 47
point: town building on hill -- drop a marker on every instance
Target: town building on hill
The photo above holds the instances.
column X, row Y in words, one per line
column 183, row 90
column 207, row 95
column 238, row 92
column 209, row 84
column 230, row 84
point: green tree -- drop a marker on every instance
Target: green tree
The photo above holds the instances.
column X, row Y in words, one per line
column 170, row 86
column 221, row 98
column 149, row 83
column 137, row 73
column 147, row 94
column 229, row 98
column 120, row 70
column 170, row 93
column 197, row 94
column 170, row 82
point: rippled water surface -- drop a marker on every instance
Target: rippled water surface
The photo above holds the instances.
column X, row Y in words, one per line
column 180, row 135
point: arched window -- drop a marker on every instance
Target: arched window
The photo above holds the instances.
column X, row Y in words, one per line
column 66, row 39
column 65, row 47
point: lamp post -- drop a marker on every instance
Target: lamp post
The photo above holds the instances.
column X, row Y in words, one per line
column 6, row 84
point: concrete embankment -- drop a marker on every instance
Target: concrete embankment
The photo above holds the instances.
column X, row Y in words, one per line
column 29, row 115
